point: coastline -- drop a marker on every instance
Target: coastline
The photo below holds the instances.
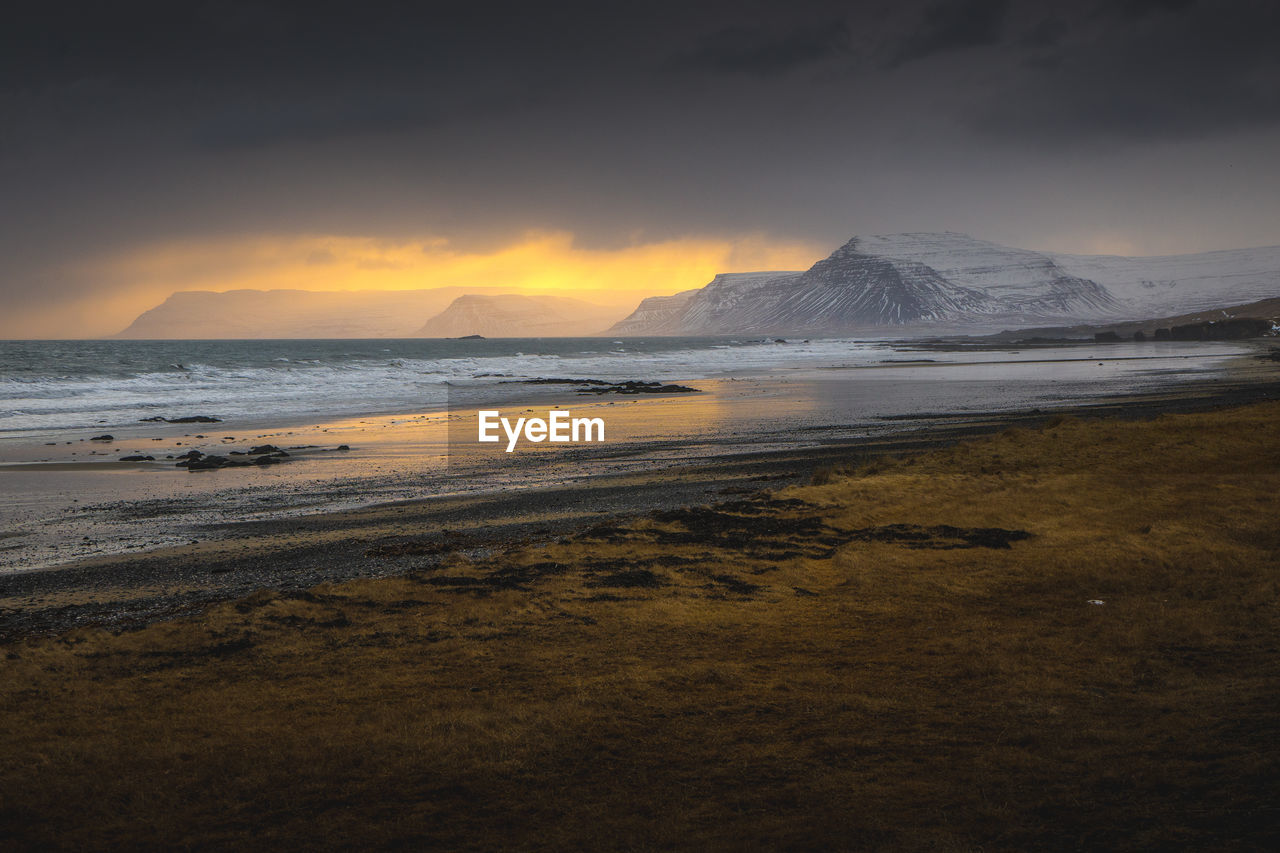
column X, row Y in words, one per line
column 235, row 557
column 67, row 498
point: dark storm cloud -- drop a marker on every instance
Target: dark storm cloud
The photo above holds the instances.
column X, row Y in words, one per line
column 231, row 74
column 1139, row 8
column 1142, row 71
column 239, row 74
column 140, row 122
column 952, row 25
column 249, row 124
column 760, row 51
column 220, row 44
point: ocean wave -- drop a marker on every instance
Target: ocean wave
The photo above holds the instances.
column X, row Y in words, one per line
column 237, row 380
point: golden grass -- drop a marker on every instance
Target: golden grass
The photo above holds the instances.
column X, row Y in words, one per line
column 781, row 673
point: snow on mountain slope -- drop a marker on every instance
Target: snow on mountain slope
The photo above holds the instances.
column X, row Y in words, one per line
column 1173, row 284
column 849, row 289
column 726, row 296
column 690, row 312
column 656, row 315
column 1018, row 281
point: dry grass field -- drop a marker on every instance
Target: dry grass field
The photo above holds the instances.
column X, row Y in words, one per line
column 904, row 657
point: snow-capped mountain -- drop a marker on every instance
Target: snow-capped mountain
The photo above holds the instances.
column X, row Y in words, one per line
column 950, row 280
column 510, row 315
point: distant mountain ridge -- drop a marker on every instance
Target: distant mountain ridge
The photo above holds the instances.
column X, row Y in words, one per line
column 905, row 283
column 200, row 314
column 434, row 312
column 949, row 280
column 511, row 315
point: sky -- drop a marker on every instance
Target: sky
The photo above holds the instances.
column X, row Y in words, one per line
column 603, row 149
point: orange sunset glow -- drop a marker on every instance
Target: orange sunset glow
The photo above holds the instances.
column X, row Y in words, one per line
column 537, row 262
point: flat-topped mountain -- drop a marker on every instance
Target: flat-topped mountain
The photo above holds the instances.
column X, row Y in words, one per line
column 201, row 314
column 510, row 315
column 949, row 280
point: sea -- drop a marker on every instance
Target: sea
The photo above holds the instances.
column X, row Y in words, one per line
column 60, row 385
column 50, row 385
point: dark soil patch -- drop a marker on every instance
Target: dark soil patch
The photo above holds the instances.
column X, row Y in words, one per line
column 446, row 542
column 769, row 537
column 760, row 528
column 507, row 577
column 942, row 537
column 630, row 579
column 178, row 657
column 291, row 620
column 736, row 585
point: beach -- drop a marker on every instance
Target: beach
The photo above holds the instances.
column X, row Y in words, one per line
column 328, row 515
column 946, row 647
column 364, row 423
